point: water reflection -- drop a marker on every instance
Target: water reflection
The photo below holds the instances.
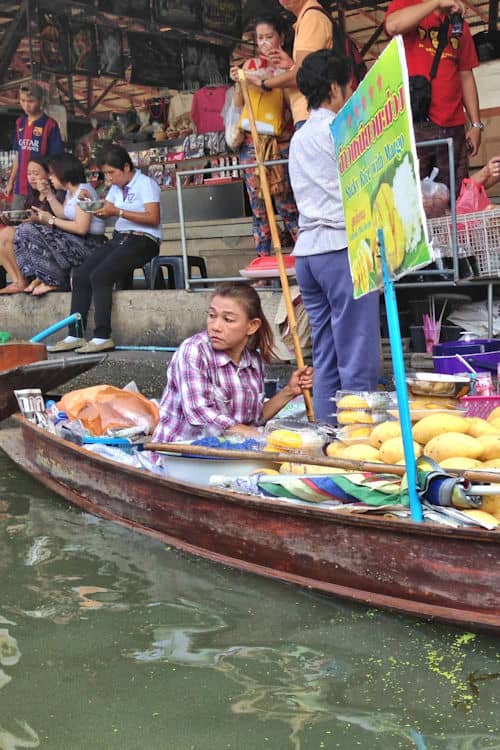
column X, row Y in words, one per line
column 122, row 627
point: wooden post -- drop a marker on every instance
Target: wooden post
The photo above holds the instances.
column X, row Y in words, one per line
column 268, row 201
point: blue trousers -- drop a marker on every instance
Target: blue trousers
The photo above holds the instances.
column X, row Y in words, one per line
column 345, row 332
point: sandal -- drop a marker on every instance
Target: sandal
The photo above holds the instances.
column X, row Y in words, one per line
column 32, row 285
column 41, row 289
column 13, row 288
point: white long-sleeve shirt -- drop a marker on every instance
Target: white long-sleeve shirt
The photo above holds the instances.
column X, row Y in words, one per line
column 315, row 182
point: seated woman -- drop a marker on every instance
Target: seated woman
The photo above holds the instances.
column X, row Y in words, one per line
column 62, row 237
column 38, row 175
column 135, row 199
column 273, row 134
column 215, row 381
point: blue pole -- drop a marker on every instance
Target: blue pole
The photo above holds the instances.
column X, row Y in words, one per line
column 74, row 318
column 398, row 363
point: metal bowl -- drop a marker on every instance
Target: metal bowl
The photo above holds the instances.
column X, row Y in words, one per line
column 89, row 206
column 15, row 217
column 435, row 384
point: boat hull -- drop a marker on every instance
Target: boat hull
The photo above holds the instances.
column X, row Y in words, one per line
column 45, row 374
column 419, row 569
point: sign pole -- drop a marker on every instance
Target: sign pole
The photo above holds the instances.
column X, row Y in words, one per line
column 398, row 364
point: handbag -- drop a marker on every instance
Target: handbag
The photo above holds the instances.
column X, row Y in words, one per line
column 421, row 86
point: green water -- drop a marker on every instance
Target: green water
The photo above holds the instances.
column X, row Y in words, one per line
column 109, row 639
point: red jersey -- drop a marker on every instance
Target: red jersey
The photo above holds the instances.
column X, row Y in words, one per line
column 40, row 138
column 446, row 108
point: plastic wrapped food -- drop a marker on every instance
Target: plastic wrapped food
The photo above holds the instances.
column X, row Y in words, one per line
column 376, row 400
column 282, row 435
column 360, row 416
column 105, row 407
column 435, row 196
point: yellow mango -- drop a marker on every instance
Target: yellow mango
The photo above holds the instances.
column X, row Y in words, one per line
column 491, row 446
column 284, row 439
column 478, row 427
column 385, row 215
column 461, row 462
column 353, row 416
column 359, row 452
column 384, row 431
column 355, row 431
column 391, row 452
column 491, row 504
column 452, row 444
column 495, row 414
column 438, row 424
column 495, row 423
column 292, row 468
column 333, row 448
column 492, row 464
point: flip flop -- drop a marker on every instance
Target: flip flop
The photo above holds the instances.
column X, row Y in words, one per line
column 12, row 289
column 42, row 289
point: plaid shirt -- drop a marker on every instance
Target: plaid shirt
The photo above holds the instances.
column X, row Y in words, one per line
column 206, row 392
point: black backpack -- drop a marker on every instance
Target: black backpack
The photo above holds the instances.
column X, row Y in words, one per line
column 343, row 44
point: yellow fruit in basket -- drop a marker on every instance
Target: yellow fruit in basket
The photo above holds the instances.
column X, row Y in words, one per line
column 491, row 446
column 386, row 216
column 359, row 452
column 384, row 431
column 461, row 462
column 491, row 465
column 437, row 424
column 478, row 427
column 452, row 444
column 495, row 423
column 352, row 402
column 495, row 414
column 392, row 450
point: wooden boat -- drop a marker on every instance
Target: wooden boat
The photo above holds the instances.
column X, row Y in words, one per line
column 28, row 368
column 423, row 570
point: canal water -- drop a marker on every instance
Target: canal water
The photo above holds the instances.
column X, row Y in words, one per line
column 110, row 640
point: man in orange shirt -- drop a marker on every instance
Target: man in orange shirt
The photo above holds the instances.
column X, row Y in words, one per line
column 313, row 31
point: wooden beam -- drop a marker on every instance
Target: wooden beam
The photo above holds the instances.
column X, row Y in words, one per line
column 475, row 11
column 12, row 37
column 102, row 95
column 72, row 99
column 371, row 41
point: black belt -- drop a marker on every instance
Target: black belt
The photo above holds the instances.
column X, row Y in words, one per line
column 141, row 234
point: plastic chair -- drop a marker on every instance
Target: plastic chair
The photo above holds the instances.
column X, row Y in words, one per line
column 127, row 281
column 175, row 270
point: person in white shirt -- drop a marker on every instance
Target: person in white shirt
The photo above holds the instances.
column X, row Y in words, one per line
column 135, row 199
column 345, row 331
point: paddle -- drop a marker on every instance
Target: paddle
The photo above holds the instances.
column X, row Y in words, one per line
column 305, row 458
column 268, row 202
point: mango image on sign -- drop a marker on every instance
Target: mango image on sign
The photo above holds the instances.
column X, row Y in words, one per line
column 360, row 230
column 387, row 218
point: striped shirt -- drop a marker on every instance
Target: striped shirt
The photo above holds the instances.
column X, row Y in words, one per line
column 206, row 392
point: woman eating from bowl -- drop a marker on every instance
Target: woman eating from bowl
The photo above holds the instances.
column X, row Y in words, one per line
column 37, row 174
column 62, row 238
column 215, row 380
column 134, row 199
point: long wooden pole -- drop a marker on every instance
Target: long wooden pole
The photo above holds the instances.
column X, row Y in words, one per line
column 268, row 202
column 475, row 475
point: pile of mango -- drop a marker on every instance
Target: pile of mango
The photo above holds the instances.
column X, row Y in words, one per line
column 453, row 441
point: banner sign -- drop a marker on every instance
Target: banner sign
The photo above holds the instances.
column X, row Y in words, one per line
column 379, row 176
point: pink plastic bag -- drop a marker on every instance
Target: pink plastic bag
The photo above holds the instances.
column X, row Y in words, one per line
column 472, row 198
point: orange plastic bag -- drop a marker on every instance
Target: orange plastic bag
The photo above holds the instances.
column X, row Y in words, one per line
column 104, row 407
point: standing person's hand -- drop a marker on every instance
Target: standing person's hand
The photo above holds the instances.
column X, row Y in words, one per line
column 280, row 59
column 473, row 138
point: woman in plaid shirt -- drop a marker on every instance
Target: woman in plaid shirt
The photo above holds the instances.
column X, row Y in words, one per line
column 215, row 381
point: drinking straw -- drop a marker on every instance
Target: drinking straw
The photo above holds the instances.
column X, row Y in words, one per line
column 268, row 202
